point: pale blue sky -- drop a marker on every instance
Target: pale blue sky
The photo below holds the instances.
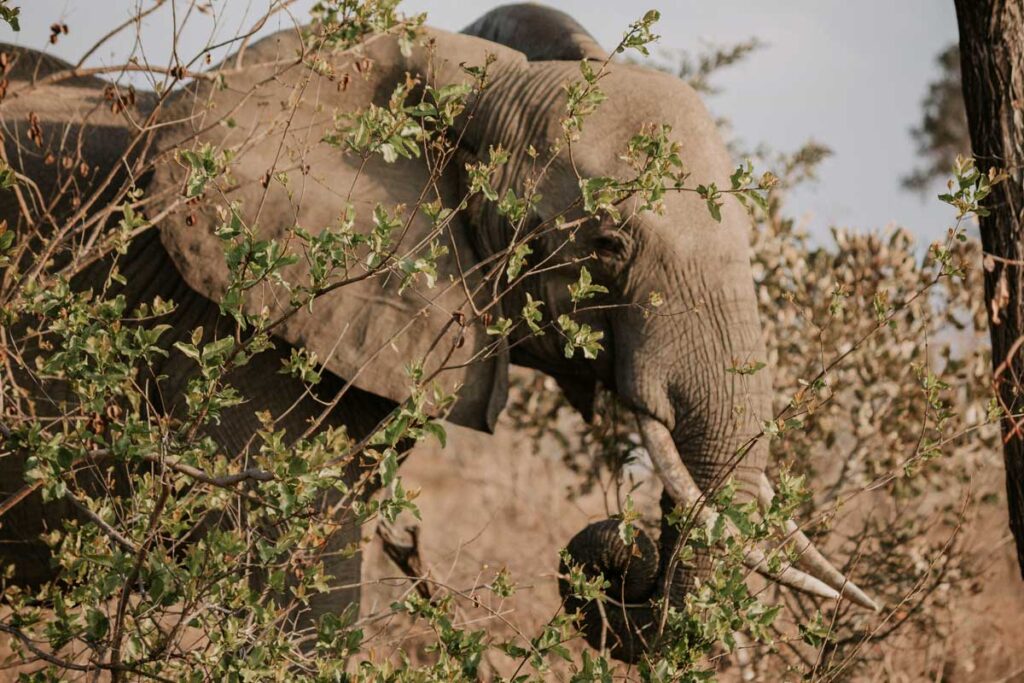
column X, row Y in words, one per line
column 848, row 74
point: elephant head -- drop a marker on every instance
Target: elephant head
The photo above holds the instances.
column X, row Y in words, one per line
column 274, row 108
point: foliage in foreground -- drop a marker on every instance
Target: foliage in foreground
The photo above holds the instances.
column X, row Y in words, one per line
column 884, row 403
column 863, row 362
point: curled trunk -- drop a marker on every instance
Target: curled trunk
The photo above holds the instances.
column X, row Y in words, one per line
column 644, row 579
column 628, row 622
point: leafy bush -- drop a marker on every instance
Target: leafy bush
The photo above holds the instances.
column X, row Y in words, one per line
column 884, row 403
column 185, row 561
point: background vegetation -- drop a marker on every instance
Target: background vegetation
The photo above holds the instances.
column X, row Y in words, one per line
column 884, row 444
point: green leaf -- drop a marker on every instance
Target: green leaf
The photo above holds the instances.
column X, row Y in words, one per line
column 532, row 315
column 6, row 240
column 189, row 350
column 437, row 431
column 584, row 288
column 748, row 368
column 10, row 15
column 8, row 178
column 580, row 336
column 388, row 467
column 601, row 194
column 501, row 327
column 517, row 260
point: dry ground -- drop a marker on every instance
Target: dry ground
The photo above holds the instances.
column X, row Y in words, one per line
column 489, row 503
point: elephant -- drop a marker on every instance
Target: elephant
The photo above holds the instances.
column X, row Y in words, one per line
column 699, row 422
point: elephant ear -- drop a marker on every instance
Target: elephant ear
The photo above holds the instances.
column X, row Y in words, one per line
column 541, row 33
column 272, row 115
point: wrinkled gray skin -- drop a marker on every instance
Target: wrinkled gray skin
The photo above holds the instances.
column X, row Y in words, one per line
column 670, row 366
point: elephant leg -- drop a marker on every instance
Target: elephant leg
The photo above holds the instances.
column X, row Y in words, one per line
column 266, row 389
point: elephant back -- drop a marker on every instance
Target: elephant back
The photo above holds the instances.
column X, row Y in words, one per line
column 541, row 33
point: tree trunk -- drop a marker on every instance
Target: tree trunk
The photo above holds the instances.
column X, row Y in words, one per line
column 992, row 65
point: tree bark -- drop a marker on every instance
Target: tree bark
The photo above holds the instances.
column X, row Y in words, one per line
column 992, row 67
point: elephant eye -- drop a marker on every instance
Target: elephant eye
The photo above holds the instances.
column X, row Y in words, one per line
column 609, row 246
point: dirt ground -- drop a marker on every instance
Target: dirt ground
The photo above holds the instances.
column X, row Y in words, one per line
column 488, row 503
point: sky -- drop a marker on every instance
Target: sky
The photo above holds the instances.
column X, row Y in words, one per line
column 850, row 75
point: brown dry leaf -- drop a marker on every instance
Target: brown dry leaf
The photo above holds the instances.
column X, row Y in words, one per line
column 56, row 29
column 35, row 131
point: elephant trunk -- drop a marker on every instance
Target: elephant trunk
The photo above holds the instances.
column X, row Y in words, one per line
column 644, row 579
column 700, row 424
column 626, row 623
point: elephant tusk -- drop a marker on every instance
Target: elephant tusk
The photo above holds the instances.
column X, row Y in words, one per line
column 684, row 491
column 812, row 559
column 667, row 462
column 788, row 575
